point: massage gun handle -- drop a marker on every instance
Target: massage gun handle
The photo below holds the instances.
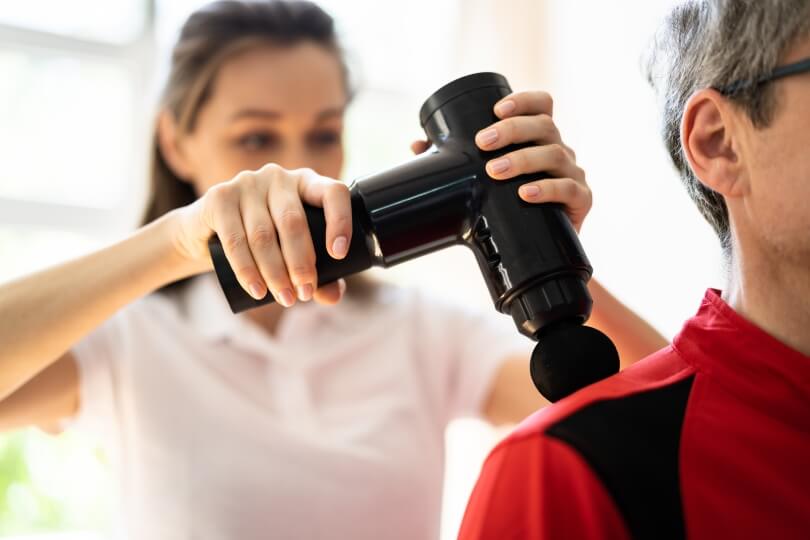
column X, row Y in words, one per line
column 359, row 257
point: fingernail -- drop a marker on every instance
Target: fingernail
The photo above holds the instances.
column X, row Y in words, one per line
column 286, row 297
column 339, row 246
column 342, row 286
column 304, row 292
column 488, row 136
column 505, row 107
column 499, row 166
column 530, row 191
column 256, row 291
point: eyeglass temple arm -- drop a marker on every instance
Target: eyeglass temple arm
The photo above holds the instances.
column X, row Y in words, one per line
column 778, row 73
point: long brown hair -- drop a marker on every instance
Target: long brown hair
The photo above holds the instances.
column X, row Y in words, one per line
column 211, row 36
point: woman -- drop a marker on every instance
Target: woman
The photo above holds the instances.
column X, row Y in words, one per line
column 311, row 422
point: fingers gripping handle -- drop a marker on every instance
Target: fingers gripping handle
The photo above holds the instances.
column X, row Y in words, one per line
column 359, row 258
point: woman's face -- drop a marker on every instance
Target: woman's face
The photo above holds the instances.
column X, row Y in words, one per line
column 274, row 104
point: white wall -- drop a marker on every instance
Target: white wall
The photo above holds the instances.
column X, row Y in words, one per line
column 645, row 238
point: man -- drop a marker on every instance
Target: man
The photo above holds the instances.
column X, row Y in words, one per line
column 710, row 437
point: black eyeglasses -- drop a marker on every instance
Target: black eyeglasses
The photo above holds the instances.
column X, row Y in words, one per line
column 736, row 87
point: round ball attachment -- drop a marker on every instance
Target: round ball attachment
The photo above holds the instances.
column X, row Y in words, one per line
column 569, row 356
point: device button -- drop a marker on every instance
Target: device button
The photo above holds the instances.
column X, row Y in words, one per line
column 488, row 248
column 481, row 231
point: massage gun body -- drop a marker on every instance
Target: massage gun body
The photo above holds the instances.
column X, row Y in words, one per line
column 445, row 198
column 529, row 255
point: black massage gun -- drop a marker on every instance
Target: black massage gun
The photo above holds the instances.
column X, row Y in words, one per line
column 529, row 254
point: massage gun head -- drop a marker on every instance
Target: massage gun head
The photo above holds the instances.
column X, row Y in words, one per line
column 569, row 356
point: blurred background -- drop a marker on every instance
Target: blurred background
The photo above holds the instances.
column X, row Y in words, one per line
column 77, row 91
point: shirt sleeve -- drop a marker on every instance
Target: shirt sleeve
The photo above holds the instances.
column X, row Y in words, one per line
column 540, row 488
column 465, row 349
column 98, row 358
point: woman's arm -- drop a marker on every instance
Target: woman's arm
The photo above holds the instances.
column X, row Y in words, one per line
column 44, row 401
column 634, row 337
column 259, row 217
column 46, row 313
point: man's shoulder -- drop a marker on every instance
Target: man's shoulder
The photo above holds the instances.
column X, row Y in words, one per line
column 622, row 433
column 658, row 371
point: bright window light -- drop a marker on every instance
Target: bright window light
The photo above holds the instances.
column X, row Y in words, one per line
column 111, row 21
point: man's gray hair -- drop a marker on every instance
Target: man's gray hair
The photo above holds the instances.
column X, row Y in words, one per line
column 713, row 44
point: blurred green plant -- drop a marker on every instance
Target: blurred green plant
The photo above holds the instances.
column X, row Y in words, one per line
column 51, row 483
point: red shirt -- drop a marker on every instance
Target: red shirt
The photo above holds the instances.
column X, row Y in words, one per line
column 708, row 438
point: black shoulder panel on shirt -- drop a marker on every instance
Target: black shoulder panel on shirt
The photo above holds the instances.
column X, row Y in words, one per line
column 632, row 444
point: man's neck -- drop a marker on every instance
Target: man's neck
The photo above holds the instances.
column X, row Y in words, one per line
column 772, row 293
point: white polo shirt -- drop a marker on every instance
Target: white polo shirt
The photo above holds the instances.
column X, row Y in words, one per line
column 332, row 428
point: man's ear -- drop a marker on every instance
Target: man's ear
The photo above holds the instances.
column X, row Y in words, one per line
column 709, row 135
column 170, row 147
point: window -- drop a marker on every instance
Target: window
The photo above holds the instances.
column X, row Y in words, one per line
column 72, row 124
column 119, row 22
column 65, row 117
column 73, row 117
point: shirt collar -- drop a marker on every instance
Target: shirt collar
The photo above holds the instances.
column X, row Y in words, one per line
column 206, row 309
column 746, row 360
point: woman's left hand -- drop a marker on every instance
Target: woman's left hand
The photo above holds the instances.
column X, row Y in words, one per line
column 525, row 117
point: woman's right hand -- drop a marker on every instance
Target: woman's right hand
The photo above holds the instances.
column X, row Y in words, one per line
column 260, row 220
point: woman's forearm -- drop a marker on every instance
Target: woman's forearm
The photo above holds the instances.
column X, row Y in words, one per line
column 634, row 337
column 44, row 314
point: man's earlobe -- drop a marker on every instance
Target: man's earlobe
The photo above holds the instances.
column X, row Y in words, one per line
column 169, row 146
column 707, row 136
